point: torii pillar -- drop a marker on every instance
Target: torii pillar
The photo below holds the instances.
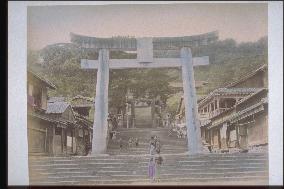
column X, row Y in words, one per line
column 99, row 143
column 145, row 59
column 190, row 103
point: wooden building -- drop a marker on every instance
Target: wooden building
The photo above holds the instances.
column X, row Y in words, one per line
column 83, row 108
column 54, row 129
column 256, row 79
column 64, row 131
column 73, row 133
column 217, row 102
column 40, row 125
column 239, row 122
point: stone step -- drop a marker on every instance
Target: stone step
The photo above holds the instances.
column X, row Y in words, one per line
column 145, row 163
column 146, row 159
column 117, row 176
column 251, row 180
column 143, row 170
column 144, row 166
column 184, row 155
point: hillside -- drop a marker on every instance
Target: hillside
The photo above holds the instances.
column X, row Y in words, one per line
column 60, row 63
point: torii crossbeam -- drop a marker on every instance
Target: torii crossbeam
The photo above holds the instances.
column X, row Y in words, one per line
column 145, row 59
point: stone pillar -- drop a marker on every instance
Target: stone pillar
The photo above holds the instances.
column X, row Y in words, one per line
column 191, row 112
column 99, row 143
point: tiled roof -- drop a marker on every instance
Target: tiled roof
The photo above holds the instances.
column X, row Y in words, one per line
column 252, row 95
column 56, row 107
column 248, row 75
column 46, row 117
column 228, row 91
column 48, row 83
column 82, row 97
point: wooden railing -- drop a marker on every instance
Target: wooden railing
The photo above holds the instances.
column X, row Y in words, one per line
column 217, row 112
column 203, row 116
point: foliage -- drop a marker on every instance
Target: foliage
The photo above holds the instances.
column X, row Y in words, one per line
column 228, row 61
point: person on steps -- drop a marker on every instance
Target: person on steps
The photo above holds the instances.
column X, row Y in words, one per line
column 158, row 146
column 151, row 169
column 120, row 144
column 136, row 142
column 152, row 149
column 158, row 161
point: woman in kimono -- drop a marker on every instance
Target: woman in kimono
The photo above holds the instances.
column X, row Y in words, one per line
column 152, row 169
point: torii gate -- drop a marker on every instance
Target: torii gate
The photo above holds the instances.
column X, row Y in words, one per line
column 145, row 59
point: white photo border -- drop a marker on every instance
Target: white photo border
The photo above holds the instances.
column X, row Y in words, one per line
column 18, row 173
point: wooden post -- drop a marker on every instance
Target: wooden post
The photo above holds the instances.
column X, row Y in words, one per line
column 127, row 116
column 62, row 140
column 53, row 137
column 218, row 103
column 133, row 114
column 99, row 142
column 153, row 113
column 45, row 140
column 72, row 141
column 237, row 133
column 191, row 113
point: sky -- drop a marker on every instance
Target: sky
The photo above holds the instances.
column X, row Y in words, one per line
column 242, row 22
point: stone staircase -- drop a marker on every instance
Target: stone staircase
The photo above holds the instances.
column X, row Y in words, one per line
column 170, row 145
column 130, row 165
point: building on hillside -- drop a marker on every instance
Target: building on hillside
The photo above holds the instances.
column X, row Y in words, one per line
column 242, row 122
column 251, row 120
column 64, row 131
column 53, row 127
column 217, row 105
column 83, row 108
column 180, row 112
column 73, row 134
column 255, row 79
column 234, row 117
column 40, row 125
column 83, row 134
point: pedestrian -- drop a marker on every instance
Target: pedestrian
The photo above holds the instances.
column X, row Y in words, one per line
column 152, row 149
column 114, row 136
column 136, row 142
column 158, row 146
column 130, row 142
column 155, row 140
column 120, row 144
column 114, row 122
column 158, row 161
column 151, row 169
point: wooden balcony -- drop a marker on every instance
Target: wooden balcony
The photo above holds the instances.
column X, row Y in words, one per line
column 203, row 116
column 217, row 112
